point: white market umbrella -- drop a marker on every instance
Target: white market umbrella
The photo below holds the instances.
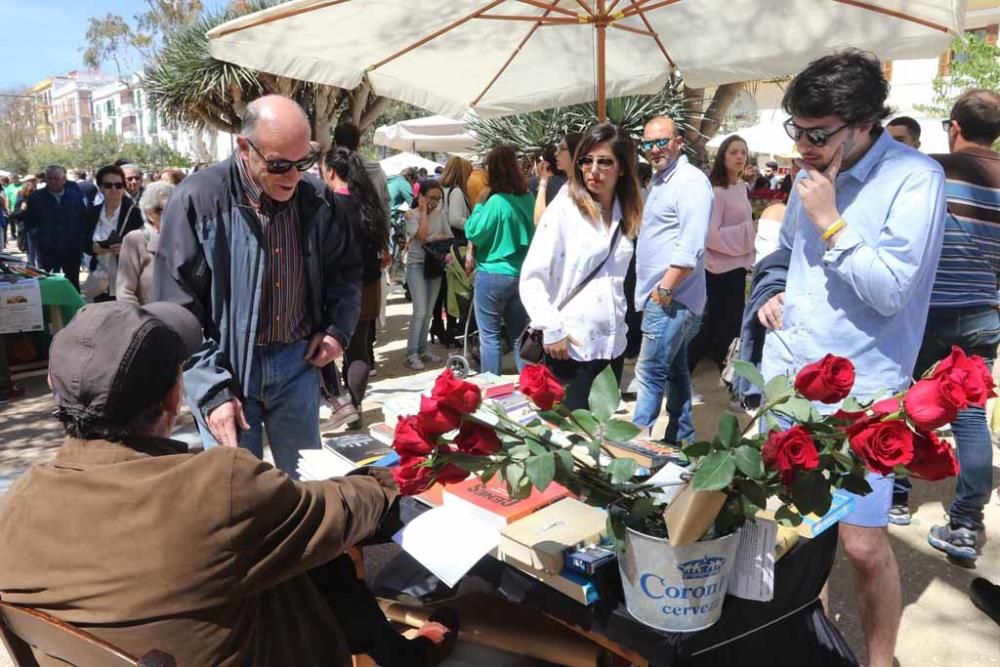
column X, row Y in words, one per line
column 394, row 164
column 501, row 57
column 433, row 134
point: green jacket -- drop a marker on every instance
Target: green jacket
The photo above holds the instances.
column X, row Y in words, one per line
column 501, row 230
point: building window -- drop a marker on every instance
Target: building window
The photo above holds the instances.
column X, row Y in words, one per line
column 128, row 124
column 151, row 127
column 109, row 107
column 138, row 99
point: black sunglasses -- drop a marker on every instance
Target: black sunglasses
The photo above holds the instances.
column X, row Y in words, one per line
column 117, row 185
column 283, row 166
column 157, row 209
column 647, row 145
column 946, row 124
column 815, row 135
column 603, row 163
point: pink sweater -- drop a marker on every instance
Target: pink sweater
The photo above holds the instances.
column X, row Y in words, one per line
column 730, row 231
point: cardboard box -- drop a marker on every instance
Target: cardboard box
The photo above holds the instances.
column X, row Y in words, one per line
column 540, row 539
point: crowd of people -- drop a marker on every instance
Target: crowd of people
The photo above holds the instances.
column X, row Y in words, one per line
column 271, row 276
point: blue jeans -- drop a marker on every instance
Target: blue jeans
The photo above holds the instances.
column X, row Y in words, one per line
column 423, row 293
column 497, row 303
column 283, row 397
column 977, row 331
column 663, row 366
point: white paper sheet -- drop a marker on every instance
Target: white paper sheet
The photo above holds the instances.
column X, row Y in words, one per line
column 448, row 541
column 669, row 478
column 753, row 570
column 319, row 464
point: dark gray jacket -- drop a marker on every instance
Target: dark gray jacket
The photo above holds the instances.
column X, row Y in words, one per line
column 210, row 260
column 769, row 277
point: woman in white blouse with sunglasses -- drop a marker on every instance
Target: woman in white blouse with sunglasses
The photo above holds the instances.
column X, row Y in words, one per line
column 577, row 234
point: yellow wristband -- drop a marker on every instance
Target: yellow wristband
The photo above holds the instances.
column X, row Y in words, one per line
column 833, row 229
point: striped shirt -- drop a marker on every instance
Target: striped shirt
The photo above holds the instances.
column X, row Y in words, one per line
column 283, row 317
column 970, row 257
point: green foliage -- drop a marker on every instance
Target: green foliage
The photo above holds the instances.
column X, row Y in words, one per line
column 975, row 64
column 111, row 38
column 531, row 132
column 604, row 395
column 715, row 471
column 96, row 149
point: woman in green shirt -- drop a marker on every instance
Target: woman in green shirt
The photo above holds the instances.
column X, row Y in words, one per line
column 499, row 230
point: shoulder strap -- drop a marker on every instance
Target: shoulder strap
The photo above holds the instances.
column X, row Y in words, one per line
column 597, row 269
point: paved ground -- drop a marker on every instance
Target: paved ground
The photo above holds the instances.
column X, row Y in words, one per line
column 940, row 626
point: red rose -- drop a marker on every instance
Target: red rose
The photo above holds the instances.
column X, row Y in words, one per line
column 538, row 384
column 933, row 458
column 931, row 403
column 409, row 439
column 435, row 418
column 788, row 451
column 451, row 474
column 458, row 395
column 970, row 373
column 882, row 445
column 475, row 438
column 412, row 476
column 828, row 380
column 887, row 406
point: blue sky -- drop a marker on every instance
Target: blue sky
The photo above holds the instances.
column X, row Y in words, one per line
column 41, row 39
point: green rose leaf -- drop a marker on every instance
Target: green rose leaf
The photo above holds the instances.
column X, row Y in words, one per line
column 621, row 470
column 537, row 448
column 749, row 461
column 798, row 409
column 811, row 493
column 786, row 517
column 564, row 458
column 541, row 470
column 856, row 484
column 513, row 474
column 697, row 449
column 641, row 508
column 555, row 419
column 778, row 388
column 604, row 395
column 714, row 472
column 750, row 372
column 729, row 430
column 617, row 430
column 754, row 492
column 519, row 452
column 586, row 422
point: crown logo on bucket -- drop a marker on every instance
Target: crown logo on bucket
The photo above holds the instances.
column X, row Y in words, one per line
column 701, row 567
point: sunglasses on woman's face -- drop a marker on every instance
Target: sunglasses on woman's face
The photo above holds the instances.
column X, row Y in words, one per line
column 817, row 136
column 157, row 210
column 603, row 163
column 283, row 166
column 117, row 185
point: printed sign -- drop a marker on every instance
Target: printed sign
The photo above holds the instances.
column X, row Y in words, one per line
column 20, row 306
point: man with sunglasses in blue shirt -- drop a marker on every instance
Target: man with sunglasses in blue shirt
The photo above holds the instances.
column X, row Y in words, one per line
column 864, row 225
column 670, row 278
column 250, row 247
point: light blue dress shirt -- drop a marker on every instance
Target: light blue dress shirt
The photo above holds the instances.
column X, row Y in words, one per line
column 674, row 228
column 867, row 297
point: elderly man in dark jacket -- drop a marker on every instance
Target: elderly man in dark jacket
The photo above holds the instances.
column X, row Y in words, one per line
column 55, row 223
column 250, row 247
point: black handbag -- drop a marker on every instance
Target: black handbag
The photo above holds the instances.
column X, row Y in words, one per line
column 530, row 344
column 434, row 254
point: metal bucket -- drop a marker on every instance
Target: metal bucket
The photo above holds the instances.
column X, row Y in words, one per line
column 678, row 589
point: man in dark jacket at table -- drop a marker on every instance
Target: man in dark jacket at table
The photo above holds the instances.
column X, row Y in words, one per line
column 250, row 247
column 55, row 222
column 213, row 557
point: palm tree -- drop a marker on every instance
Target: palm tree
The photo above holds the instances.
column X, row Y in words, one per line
column 187, row 85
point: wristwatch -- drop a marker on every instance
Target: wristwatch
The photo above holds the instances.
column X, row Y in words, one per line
column 665, row 294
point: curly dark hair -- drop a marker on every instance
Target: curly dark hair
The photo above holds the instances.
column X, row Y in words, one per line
column 849, row 84
column 349, row 166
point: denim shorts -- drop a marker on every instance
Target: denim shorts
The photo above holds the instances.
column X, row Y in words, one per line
column 872, row 511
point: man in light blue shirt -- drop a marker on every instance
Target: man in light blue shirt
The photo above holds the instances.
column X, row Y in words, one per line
column 864, row 223
column 670, row 277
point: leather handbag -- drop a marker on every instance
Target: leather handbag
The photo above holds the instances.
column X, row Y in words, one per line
column 530, row 344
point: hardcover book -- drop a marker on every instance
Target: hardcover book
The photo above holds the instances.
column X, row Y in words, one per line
column 491, row 502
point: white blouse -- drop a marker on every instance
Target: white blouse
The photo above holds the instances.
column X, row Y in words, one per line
column 106, row 224
column 566, row 248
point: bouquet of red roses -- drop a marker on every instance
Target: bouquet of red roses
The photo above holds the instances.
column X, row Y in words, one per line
column 801, row 455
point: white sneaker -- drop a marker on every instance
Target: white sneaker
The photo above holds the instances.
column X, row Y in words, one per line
column 413, row 361
column 430, row 358
column 343, row 412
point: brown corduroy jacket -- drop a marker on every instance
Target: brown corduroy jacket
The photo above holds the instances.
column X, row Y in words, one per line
column 199, row 555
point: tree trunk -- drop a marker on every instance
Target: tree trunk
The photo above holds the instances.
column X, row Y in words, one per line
column 702, row 124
